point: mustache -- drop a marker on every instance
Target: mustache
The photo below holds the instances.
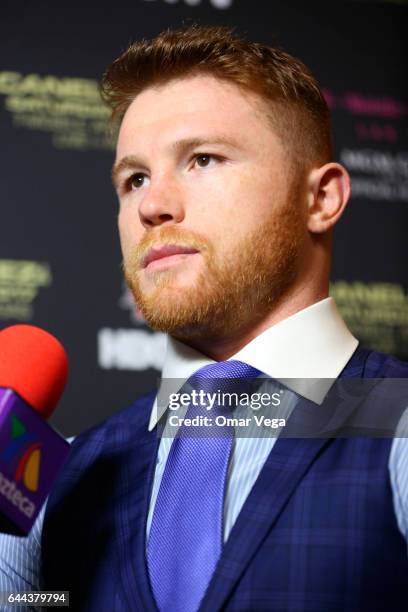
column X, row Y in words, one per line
column 168, row 235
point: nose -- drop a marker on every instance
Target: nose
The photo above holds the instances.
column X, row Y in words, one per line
column 162, row 204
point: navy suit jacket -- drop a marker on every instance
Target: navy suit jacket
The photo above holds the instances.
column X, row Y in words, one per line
column 316, row 533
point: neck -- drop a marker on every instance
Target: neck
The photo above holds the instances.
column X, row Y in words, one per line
column 222, row 347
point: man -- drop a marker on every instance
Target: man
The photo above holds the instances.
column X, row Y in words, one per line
column 228, row 197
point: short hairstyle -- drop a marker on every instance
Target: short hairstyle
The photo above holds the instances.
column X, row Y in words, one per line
column 297, row 109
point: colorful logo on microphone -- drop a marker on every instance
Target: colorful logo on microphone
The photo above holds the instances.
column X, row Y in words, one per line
column 23, row 454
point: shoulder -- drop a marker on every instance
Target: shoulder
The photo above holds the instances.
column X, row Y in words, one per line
column 134, row 414
column 382, row 365
column 129, row 423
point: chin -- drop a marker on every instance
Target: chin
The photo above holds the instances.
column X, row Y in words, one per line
column 169, row 283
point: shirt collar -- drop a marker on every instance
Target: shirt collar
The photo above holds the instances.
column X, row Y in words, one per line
column 314, row 343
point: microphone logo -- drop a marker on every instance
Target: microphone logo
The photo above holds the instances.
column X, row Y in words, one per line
column 23, row 453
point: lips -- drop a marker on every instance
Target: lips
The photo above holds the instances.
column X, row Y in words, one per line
column 166, row 251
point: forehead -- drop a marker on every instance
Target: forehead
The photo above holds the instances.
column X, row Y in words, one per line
column 181, row 107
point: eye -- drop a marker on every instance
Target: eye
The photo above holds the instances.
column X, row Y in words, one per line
column 135, row 181
column 204, row 159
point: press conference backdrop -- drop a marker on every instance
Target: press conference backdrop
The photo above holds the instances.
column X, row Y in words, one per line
column 59, row 249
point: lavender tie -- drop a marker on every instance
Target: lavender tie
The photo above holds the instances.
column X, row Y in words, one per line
column 186, row 533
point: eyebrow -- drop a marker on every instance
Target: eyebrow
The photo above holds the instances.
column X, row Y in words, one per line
column 130, row 162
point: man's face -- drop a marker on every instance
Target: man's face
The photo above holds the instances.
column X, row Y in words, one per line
column 210, row 221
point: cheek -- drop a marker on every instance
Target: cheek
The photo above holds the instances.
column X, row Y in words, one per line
column 129, row 232
column 216, row 202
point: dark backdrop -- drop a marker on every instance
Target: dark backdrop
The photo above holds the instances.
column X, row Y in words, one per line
column 59, row 250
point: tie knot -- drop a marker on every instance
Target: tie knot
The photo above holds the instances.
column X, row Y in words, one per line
column 226, row 369
column 224, row 376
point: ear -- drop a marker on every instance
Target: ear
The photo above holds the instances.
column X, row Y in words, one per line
column 328, row 194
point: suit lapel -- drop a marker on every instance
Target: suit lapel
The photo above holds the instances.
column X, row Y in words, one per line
column 282, row 472
column 139, row 450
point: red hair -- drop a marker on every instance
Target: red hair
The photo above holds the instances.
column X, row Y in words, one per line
column 292, row 98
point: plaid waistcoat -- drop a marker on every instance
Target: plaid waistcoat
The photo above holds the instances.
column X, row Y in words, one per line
column 317, row 532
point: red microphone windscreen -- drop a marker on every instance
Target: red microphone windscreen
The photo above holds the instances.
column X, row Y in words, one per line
column 33, row 364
